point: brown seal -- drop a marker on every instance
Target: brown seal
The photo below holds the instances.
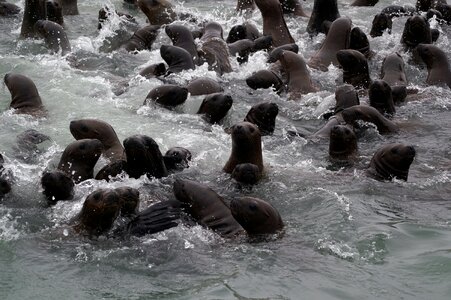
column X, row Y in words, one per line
column 215, row 107
column 79, row 158
column 54, row 35
column 57, row 186
column 274, row 22
column 181, row 37
column 246, row 146
column 142, row 39
column 177, row 158
column 299, row 81
column 243, row 31
column 154, row 70
column 111, row 170
column 355, row 68
column 214, row 49
column 144, row 157
column 393, row 72
column 178, row 59
column 276, row 52
column 359, row 41
column 167, row 95
column 264, row 116
column 241, row 49
column 24, row 94
column 437, row 64
column 381, row 23
column 70, row 7
column 323, row 11
column 158, row 12
column 101, row 130
column 380, row 96
column 391, row 161
column 246, row 173
column 54, row 11
column 416, row 31
column 337, row 39
column 256, row 216
column 264, row 79
column 203, row 86
column 343, row 143
column 369, row 114
column 9, row 9
column 206, row 207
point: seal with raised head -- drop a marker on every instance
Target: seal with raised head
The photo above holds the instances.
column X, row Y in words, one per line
column 369, row 114
column 355, row 68
column 391, row 161
column 299, row 81
column 154, row 70
column 264, row 79
column 177, row 158
column 214, row 49
column 380, row 96
column 323, row 11
column 241, row 49
column 381, row 23
column 206, row 207
column 274, row 22
column 54, row 35
column 182, row 37
column 264, row 116
column 57, row 186
column 177, row 58
column 101, row 130
column 142, row 39
column 32, row 13
column 337, row 39
column 276, row 52
column 437, row 64
column 203, row 86
column 215, row 107
column 416, row 31
column 343, row 143
column 53, row 10
column 393, row 72
column 143, row 157
column 246, row 146
column 241, row 32
column 167, row 95
column 359, row 41
column 256, row 216
column 246, row 173
column 24, row 94
column 158, row 12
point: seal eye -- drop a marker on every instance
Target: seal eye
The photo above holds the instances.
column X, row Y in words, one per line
column 251, row 130
column 253, row 207
column 394, row 150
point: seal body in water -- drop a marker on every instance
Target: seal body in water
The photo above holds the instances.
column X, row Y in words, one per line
column 437, row 64
column 264, row 116
column 24, row 94
column 54, row 35
column 323, row 11
column 391, row 161
column 215, row 107
column 343, row 143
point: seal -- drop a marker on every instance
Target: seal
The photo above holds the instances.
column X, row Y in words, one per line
column 369, row 114
column 299, row 81
column 274, row 22
column 111, row 170
column 393, row 72
column 53, row 9
column 380, row 96
column 293, row 7
column 343, row 143
column 178, row 59
column 57, row 186
column 206, row 207
column 154, row 70
column 143, row 157
column 102, row 131
column 214, row 49
column 416, row 31
column 256, row 216
column 323, row 10
column 181, row 37
column 142, row 39
column 359, row 41
column 391, row 161
column 32, row 13
column 203, row 86
column 364, row 2
column 54, row 35
column 25, row 97
column 381, row 23
column 79, row 158
column 355, row 68
column 276, row 52
column 9, row 9
column 70, row 7
column 27, row 142
column 215, row 107
column 158, row 12
column 5, row 185
column 129, row 198
column 245, row 31
column 445, row 9
column 177, row 158
column 246, row 174
column 437, row 64
column 246, row 146
column 167, row 95
column 264, row 116
column 264, row 79
column 241, row 49
column 337, row 39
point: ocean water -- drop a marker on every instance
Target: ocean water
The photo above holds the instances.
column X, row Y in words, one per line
column 346, row 236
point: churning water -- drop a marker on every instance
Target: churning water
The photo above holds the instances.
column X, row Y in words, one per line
column 346, row 236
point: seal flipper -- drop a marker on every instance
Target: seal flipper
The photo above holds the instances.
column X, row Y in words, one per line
column 156, row 218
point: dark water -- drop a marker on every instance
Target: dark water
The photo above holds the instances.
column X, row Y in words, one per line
column 347, row 236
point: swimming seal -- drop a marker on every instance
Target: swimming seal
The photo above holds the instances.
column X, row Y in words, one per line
column 178, row 59
column 416, row 31
column 177, row 158
column 57, row 186
column 242, row 32
column 391, row 161
column 79, row 158
column 215, row 107
column 246, row 146
column 264, row 79
column 381, row 23
column 264, row 116
column 158, row 12
column 181, row 37
column 203, row 86
column 299, row 81
column 359, row 41
column 214, row 49
column 343, row 143
column 246, row 173
column 206, row 207
column 24, row 94
column 337, row 39
column 323, row 10
column 54, row 35
column 355, row 68
column 143, row 157
column 142, row 39
column 437, row 64
column 256, row 216
column 369, row 114
column 276, row 52
column 274, row 22
column 167, row 95
column 380, row 96
column 154, row 70
column 393, row 72
column 102, row 131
